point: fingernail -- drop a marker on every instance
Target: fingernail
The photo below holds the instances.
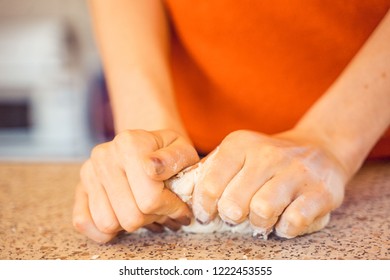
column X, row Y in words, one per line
column 158, row 165
column 230, row 224
column 233, row 212
column 202, row 222
column 261, row 232
column 282, row 229
column 201, row 216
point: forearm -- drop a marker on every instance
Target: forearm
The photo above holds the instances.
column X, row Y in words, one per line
column 355, row 111
column 133, row 39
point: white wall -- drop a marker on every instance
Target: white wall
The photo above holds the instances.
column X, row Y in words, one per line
column 34, row 56
column 73, row 11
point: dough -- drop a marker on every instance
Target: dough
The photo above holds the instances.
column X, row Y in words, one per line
column 183, row 185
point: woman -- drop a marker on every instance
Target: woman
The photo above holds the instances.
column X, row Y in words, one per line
column 291, row 98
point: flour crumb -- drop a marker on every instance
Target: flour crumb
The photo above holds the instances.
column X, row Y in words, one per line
column 95, row 257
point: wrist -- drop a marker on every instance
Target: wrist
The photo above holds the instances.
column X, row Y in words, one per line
column 317, row 139
column 141, row 101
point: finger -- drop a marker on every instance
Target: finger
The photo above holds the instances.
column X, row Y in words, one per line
column 233, row 207
column 216, row 172
column 174, row 154
column 102, row 213
column 155, row 227
column 163, row 203
column 184, row 221
column 271, row 200
column 124, row 204
column 116, row 185
column 100, row 208
column 167, row 222
column 82, row 219
column 150, row 196
column 318, row 224
column 171, row 224
column 149, row 206
column 153, row 197
column 298, row 217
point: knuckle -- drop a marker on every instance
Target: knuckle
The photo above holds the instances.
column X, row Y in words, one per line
column 86, row 171
column 262, row 208
column 211, row 193
column 99, row 162
column 299, row 166
column 133, row 223
column 99, row 152
column 107, row 226
column 271, row 153
column 297, row 219
column 124, row 137
column 149, row 205
column 80, row 223
column 237, row 135
column 128, row 138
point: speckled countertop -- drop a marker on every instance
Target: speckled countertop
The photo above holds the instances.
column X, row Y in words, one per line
column 35, row 223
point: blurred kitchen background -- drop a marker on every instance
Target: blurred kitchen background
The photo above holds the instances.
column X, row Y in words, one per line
column 52, row 97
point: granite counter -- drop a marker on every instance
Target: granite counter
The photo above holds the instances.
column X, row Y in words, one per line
column 36, row 207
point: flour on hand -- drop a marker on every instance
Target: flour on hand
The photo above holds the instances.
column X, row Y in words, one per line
column 183, row 185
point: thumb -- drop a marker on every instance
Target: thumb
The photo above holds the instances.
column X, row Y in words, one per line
column 170, row 160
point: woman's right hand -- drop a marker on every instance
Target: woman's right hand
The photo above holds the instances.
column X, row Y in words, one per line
column 122, row 184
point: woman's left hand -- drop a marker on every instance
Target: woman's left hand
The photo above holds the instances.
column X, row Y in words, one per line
column 282, row 182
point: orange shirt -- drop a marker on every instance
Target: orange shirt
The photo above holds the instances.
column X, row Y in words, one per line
column 260, row 65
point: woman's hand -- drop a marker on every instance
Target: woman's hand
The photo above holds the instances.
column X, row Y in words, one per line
column 280, row 182
column 122, row 184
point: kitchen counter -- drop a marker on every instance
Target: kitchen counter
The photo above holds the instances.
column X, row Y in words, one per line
column 36, row 207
